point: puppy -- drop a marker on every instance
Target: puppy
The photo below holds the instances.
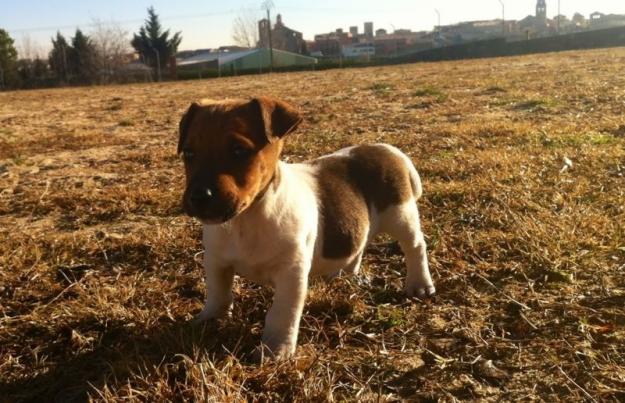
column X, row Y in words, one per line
column 277, row 223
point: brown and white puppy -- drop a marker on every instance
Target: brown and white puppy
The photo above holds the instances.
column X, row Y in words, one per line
column 277, row 223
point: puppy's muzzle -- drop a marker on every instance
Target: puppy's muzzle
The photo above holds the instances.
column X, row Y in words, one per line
column 206, row 204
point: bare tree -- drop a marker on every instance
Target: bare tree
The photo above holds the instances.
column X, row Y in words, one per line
column 245, row 29
column 29, row 49
column 112, row 45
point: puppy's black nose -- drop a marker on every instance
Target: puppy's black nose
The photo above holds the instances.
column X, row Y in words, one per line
column 200, row 195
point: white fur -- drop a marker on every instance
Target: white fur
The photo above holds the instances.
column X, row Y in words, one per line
column 277, row 241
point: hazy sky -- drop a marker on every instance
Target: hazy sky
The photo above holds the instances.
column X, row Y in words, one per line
column 208, row 23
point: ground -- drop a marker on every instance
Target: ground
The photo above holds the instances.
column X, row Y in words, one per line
column 523, row 165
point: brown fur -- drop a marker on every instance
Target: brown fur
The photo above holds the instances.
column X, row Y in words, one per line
column 211, row 132
column 371, row 176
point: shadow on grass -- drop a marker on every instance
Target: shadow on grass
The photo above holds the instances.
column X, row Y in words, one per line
column 123, row 351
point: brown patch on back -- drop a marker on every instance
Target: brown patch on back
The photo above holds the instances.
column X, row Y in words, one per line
column 371, row 176
column 344, row 211
column 382, row 176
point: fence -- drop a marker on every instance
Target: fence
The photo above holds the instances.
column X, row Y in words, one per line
column 604, row 38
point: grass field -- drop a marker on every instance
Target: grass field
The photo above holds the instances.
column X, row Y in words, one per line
column 100, row 272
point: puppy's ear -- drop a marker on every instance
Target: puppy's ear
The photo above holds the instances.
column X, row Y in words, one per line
column 278, row 117
column 185, row 123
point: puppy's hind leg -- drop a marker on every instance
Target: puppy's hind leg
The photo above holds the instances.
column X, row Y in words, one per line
column 402, row 223
column 353, row 268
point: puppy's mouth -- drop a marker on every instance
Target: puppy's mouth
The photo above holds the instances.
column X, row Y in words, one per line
column 209, row 217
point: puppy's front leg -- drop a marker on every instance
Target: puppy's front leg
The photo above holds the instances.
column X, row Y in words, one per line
column 282, row 321
column 218, row 291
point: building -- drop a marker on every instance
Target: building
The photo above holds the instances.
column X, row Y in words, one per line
column 250, row 60
column 364, row 50
column 331, row 44
column 368, row 30
column 390, row 45
column 282, row 37
column 537, row 25
column 354, row 45
column 579, row 20
column 601, row 21
column 477, row 30
column 541, row 11
column 401, row 41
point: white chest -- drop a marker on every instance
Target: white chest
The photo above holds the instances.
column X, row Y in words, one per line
column 276, row 233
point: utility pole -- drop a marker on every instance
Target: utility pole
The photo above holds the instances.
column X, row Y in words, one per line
column 268, row 5
column 558, row 19
column 65, row 64
column 438, row 37
column 158, row 63
column 503, row 17
column 395, row 40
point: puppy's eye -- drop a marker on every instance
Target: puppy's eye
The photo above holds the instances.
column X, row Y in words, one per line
column 240, row 152
column 187, row 155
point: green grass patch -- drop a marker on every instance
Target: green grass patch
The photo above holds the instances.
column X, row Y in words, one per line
column 380, row 87
column 577, row 139
column 18, row 160
column 445, row 154
column 7, row 134
column 537, row 103
column 495, row 89
column 389, row 316
column 433, row 92
column 599, row 139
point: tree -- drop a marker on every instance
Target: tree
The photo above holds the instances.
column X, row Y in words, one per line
column 155, row 45
column 245, row 29
column 83, row 59
column 8, row 61
column 33, row 73
column 75, row 63
column 59, row 58
column 112, row 46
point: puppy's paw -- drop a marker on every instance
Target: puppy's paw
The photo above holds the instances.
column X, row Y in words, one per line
column 264, row 353
column 209, row 313
column 419, row 291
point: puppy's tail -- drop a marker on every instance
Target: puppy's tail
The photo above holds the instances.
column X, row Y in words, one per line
column 415, row 180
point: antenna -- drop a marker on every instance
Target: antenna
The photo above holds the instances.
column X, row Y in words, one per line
column 268, row 5
column 558, row 19
column 503, row 17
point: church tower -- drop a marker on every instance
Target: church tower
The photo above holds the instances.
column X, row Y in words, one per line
column 541, row 10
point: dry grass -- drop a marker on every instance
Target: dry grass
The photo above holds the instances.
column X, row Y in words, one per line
column 99, row 269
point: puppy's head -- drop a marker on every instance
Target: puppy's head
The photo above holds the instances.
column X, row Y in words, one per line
column 230, row 151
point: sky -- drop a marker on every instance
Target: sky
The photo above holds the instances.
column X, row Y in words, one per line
column 208, row 23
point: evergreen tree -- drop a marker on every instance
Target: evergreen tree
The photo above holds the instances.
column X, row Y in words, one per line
column 8, row 61
column 32, row 73
column 83, row 59
column 59, row 58
column 152, row 41
column 40, row 68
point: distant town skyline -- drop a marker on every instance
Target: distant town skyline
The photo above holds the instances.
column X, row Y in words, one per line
column 205, row 24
